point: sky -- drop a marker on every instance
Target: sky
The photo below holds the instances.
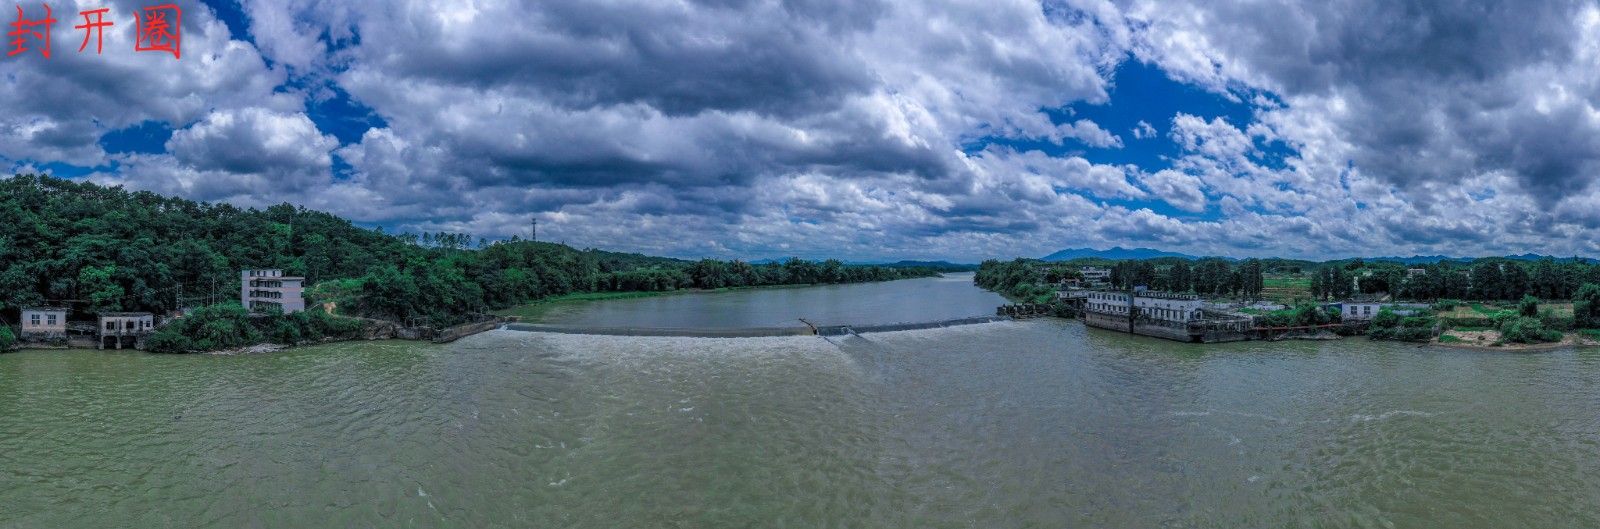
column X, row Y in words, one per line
column 858, row 129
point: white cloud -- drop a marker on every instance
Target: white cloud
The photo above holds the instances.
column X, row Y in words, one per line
column 1144, row 131
column 858, row 127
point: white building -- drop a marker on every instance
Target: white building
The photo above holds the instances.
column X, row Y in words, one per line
column 1167, row 306
column 1095, row 275
column 269, row 289
column 1108, row 302
column 44, row 323
column 1355, row 311
column 126, row 329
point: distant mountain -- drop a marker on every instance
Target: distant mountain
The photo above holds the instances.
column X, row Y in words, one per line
column 1427, row 259
column 1532, row 257
column 1116, row 254
column 1420, row 259
column 943, row 266
column 937, row 265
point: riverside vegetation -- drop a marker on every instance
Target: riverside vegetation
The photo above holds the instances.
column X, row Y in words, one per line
column 109, row 249
column 1520, row 301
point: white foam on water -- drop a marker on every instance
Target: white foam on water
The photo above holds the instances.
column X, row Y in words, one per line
column 646, row 352
column 1388, row 414
column 953, row 330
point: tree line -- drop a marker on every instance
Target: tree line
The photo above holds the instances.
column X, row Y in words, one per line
column 1488, row 279
column 96, row 248
column 1028, row 278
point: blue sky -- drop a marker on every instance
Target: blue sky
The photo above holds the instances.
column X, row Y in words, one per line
column 863, row 129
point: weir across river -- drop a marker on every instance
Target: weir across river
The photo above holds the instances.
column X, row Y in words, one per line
column 753, row 332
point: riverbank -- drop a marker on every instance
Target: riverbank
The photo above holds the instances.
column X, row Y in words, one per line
column 1487, row 340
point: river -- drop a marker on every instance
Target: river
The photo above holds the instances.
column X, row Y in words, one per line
column 1041, row 423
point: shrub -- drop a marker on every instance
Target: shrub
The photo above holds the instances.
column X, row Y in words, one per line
column 1527, row 330
column 1529, row 307
column 7, row 340
column 1449, row 339
column 1418, row 321
column 1386, row 319
column 1064, row 310
column 1553, row 320
column 230, row 325
column 1501, row 317
column 1413, row 334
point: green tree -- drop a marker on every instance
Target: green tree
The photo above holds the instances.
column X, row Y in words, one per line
column 1517, row 282
column 1252, row 279
column 1179, row 277
column 1488, row 281
column 7, row 340
column 1586, row 306
column 100, row 290
column 1529, row 307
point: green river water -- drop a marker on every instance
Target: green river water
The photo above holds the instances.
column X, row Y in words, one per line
column 1041, row 423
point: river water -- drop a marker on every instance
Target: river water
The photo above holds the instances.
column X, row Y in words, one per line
column 1041, row 423
column 906, row 301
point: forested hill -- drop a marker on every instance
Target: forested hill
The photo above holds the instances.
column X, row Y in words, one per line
column 100, row 248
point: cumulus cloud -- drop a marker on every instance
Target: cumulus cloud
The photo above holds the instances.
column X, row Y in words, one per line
column 1411, row 100
column 1144, row 131
column 861, row 128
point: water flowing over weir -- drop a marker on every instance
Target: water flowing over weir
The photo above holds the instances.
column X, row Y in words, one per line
column 752, row 332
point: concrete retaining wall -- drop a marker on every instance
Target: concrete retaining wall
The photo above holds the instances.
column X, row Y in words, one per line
column 1162, row 331
column 455, row 333
column 1108, row 321
column 1223, row 336
column 843, row 330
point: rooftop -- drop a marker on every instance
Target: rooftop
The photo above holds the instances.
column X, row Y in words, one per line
column 124, row 314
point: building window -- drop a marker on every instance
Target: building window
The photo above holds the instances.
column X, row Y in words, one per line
column 111, row 325
column 35, row 319
column 52, row 319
